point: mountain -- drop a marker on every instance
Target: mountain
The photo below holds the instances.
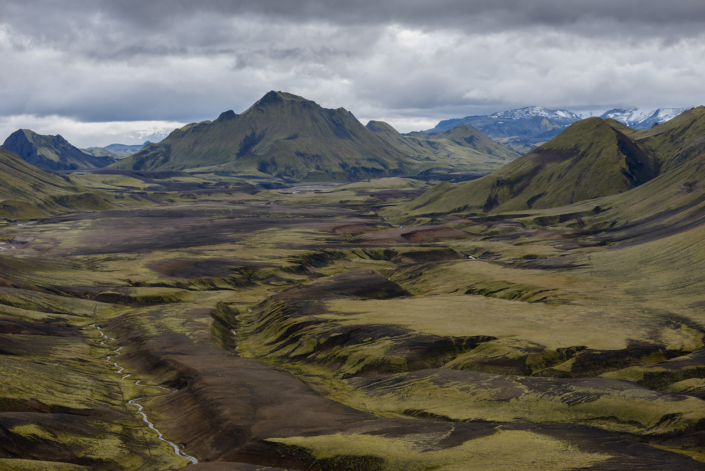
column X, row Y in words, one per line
column 51, row 152
column 28, row 192
column 460, row 149
column 536, row 111
column 521, row 129
column 652, row 178
column 287, row 136
column 281, row 135
column 590, row 159
column 641, row 119
column 116, row 151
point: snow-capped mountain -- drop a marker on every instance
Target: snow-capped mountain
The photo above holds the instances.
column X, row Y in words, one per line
column 534, row 111
column 152, row 134
column 642, row 119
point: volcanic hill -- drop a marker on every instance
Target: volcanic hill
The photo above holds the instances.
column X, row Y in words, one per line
column 287, row 136
column 51, row 152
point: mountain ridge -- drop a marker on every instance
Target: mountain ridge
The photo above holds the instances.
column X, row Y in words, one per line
column 287, row 136
column 279, row 135
column 451, row 147
column 51, row 152
column 522, row 129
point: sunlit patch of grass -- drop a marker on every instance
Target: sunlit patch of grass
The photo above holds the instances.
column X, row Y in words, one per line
column 11, row 464
column 505, row 449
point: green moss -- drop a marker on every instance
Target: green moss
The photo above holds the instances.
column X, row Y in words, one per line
column 501, row 450
column 36, row 465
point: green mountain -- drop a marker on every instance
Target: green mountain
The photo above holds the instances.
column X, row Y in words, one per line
column 28, row 192
column 460, row 149
column 51, row 152
column 590, row 159
column 289, row 137
column 675, row 197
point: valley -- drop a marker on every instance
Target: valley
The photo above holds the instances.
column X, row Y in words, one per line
column 352, row 236
column 320, row 326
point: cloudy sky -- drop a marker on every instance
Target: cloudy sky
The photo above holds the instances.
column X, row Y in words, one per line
column 99, row 72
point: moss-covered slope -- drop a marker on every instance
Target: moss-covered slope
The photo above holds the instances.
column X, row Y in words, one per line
column 588, row 160
column 29, row 192
column 282, row 135
column 289, row 137
column 52, row 152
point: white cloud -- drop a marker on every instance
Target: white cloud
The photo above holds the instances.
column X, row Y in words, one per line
column 96, row 134
column 84, row 62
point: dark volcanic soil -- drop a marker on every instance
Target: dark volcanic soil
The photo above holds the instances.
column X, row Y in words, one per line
column 230, row 405
column 227, row 408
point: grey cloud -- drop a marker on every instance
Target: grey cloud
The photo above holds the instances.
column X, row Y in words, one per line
column 422, row 12
column 101, row 60
column 205, row 23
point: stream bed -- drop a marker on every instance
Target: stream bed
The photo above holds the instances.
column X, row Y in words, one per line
column 134, row 402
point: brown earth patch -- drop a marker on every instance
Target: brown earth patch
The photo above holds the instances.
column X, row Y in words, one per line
column 414, row 235
column 15, row 326
column 201, row 268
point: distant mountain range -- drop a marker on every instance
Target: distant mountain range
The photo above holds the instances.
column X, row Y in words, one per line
column 290, row 137
column 524, row 129
column 640, row 119
column 52, row 152
column 521, row 129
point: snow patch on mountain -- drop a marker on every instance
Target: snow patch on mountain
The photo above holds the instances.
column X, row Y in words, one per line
column 151, row 134
column 642, row 119
column 536, row 111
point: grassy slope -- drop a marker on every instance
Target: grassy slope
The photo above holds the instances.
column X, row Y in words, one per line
column 588, row 160
column 26, row 182
column 28, row 192
column 282, row 135
column 462, row 148
column 51, row 152
column 676, row 195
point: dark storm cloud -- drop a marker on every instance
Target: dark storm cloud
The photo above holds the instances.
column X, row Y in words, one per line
column 408, row 61
column 205, row 24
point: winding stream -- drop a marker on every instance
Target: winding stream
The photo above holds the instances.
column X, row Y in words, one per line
column 237, row 347
column 134, row 402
